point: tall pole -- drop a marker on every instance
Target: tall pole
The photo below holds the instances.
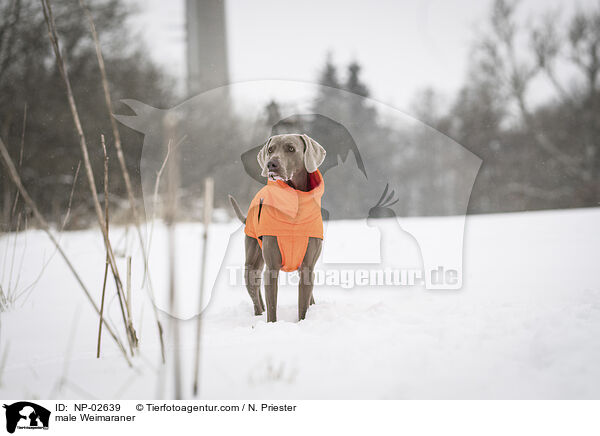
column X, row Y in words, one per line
column 207, row 65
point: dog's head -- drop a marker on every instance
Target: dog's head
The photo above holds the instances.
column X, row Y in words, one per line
column 283, row 156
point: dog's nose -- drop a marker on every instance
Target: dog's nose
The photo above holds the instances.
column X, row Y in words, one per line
column 272, row 165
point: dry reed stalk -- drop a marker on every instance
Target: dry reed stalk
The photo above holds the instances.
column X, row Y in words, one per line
column 22, row 147
column 53, row 36
column 157, row 185
column 106, row 261
column 128, row 301
column 14, row 175
column 208, row 206
column 68, row 213
column 170, row 218
column 62, row 228
column 122, row 299
column 128, row 287
column 115, row 129
column 123, row 165
column 14, row 250
column 102, row 307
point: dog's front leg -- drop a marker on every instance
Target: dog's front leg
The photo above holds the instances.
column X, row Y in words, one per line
column 305, row 290
column 272, row 258
column 307, row 276
column 270, row 277
column 252, row 272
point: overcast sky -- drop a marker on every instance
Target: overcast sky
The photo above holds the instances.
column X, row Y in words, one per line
column 403, row 45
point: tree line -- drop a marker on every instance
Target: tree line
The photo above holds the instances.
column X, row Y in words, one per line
column 535, row 155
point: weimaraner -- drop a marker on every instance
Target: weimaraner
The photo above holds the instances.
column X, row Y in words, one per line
column 293, row 159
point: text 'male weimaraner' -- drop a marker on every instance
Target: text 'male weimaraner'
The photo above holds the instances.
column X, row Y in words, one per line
column 284, row 227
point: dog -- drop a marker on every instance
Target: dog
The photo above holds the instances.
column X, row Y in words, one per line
column 284, row 226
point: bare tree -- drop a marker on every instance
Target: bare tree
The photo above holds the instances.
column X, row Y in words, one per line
column 519, row 54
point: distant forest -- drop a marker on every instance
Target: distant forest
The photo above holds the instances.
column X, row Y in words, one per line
column 535, row 156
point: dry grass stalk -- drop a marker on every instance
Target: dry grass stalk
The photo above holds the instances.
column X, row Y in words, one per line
column 115, row 129
column 53, row 36
column 8, row 294
column 102, row 308
column 170, row 217
column 208, row 206
column 106, row 261
column 123, row 165
column 12, row 261
column 122, row 304
column 128, row 301
column 14, row 175
column 128, row 287
column 159, row 173
column 154, row 209
column 22, row 147
column 68, row 213
column 31, row 286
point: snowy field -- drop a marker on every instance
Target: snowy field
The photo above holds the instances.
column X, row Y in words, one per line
column 526, row 323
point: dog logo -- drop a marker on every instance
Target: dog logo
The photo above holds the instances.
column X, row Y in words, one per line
column 26, row 415
column 430, row 176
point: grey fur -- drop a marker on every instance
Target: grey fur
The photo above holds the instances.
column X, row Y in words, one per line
column 289, row 152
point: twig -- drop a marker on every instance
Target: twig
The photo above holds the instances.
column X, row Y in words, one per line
column 20, row 156
column 14, row 175
column 128, row 287
column 5, row 257
column 106, row 261
column 157, row 184
column 62, row 228
column 102, row 307
column 128, row 301
column 68, row 214
column 12, row 261
column 20, row 268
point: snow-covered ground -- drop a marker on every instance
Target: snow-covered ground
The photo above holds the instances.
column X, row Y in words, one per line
column 525, row 324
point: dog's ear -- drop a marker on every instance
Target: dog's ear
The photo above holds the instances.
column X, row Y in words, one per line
column 262, row 158
column 314, row 154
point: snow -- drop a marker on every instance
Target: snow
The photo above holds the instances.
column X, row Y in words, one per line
column 524, row 325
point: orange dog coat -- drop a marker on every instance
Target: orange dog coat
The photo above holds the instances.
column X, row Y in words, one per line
column 291, row 215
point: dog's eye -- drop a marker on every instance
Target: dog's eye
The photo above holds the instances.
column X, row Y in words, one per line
column 291, row 148
column 270, row 150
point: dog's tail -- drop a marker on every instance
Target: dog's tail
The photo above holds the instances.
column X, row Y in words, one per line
column 237, row 210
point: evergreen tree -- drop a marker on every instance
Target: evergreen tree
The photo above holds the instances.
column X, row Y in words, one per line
column 328, row 97
column 329, row 74
column 354, row 83
column 359, row 112
column 273, row 113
